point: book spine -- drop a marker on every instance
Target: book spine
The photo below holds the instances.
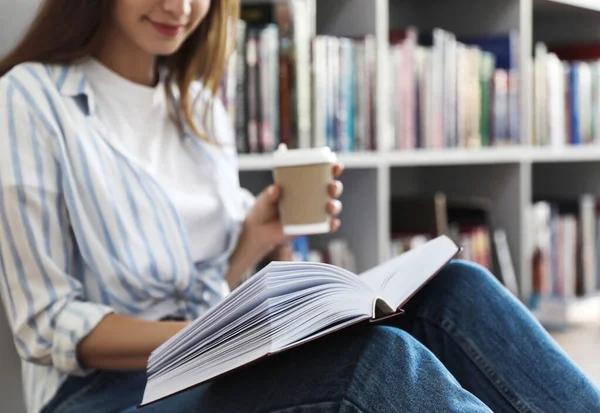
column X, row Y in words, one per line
column 584, row 87
column 252, row 91
column 319, row 95
column 371, row 61
column 500, row 132
column 240, row 93
column 273, row 56
column 302, row 38
column 262, row 76
column 450, row 93
column 437, row 90
column 487, row 69
column 574, row 100
column 407, row 108
column 349, row 94
column 361, row 97
column 588, row 241
column 395, row 93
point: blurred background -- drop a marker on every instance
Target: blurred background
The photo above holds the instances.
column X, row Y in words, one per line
column 15, row 15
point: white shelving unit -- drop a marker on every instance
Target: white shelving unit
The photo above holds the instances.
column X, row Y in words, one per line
column 511, row 177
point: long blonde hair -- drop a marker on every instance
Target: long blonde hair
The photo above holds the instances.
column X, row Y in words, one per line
column 203, row 56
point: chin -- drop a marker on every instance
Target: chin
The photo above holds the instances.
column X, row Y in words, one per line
column 163, row 49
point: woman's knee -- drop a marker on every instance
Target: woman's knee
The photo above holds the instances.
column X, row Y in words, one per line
column 464, row 277
column 460, row 286
column 390, row 351
column 396, row 372
column 386, row 340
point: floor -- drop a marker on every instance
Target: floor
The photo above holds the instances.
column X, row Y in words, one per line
column 582, row 344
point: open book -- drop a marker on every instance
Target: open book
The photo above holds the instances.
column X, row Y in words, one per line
column 285, row 305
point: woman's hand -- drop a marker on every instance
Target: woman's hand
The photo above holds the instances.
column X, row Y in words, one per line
column 263, row 220
column 262, row 231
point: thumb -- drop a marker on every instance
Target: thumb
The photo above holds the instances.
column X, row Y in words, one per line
column 271, row 194
column 265, row 202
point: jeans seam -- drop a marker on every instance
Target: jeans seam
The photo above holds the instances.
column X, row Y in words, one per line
column 481, row 362
column 321, row 404
column 352, row 404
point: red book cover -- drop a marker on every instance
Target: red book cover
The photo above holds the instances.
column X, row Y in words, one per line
column 577, row 51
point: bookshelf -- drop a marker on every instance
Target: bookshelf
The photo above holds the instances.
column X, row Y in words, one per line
column 580, row 7
column 510, row 176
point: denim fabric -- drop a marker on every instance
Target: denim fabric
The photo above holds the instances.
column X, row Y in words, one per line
column 464, row 345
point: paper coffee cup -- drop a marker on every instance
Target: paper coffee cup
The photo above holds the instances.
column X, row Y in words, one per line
column 303, row 176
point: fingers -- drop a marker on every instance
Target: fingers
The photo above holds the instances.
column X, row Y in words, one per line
column 334, row 208
column 273, row 193
column 336, row 188
column 264, row 210
column 338, row 170
column 335, row 225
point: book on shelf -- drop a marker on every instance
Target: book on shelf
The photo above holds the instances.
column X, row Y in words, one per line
column 335, row 251
column 343, row 98
column 283, row 306
column 449, row 92
column 297, row 88
column 566, row 95
column 566, row 251
column 476, row 243
column 566, row 261
column 270, row 68
column 466, row 220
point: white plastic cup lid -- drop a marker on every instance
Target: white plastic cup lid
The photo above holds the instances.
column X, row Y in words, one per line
column 284, row 157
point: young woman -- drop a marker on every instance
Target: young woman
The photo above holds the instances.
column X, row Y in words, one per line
column 121, row 217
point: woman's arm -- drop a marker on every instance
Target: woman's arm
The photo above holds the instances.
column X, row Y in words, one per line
column 51, row 320
column 124, row 343
column 243, row 259
column 262, row 231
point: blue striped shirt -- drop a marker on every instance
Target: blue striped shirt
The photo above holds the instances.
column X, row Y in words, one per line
column 85, row 230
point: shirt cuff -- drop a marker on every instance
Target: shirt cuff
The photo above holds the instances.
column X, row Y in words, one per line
column 73, row 324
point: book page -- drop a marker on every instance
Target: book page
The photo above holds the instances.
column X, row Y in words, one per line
column 401, row 277
column 282, row 305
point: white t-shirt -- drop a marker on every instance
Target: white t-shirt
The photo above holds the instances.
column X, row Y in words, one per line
column 137, row 116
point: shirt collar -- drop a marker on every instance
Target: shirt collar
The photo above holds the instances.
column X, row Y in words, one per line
column 71, row 81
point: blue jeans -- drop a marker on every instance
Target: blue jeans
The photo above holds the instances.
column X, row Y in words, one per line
column 464, row 345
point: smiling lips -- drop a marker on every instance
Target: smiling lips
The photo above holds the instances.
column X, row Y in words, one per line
column 167, row 29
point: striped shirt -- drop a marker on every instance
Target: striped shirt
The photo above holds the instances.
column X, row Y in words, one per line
column 85, row 230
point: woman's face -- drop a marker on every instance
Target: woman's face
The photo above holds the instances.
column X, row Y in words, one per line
column 158, row 27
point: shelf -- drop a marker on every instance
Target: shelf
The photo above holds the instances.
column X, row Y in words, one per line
column 589, row 153
column 567, row 6
column 428, row 157
column 558, row 314
column 262, row 162
column 441, row 157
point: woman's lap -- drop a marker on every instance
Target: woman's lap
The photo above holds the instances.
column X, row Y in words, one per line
column 463, row 319
column 363, row 369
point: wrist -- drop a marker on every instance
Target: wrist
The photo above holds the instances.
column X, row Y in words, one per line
column 253, row 241
column 249, row 251
column 282, row 252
